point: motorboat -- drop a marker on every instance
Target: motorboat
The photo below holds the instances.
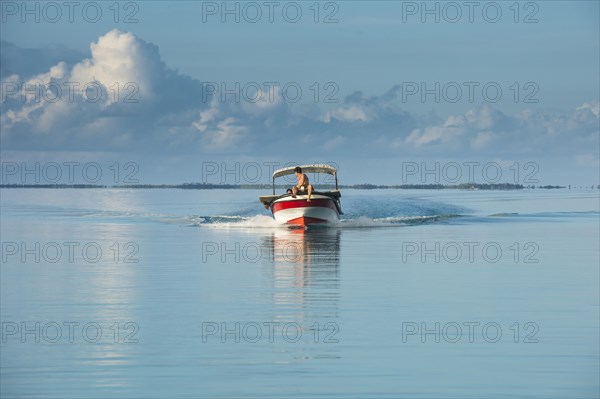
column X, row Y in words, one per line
column 324, row 206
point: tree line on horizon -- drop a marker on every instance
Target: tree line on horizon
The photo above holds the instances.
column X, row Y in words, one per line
column 363, row 186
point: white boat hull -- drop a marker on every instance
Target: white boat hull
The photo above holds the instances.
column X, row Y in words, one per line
column 321, row 209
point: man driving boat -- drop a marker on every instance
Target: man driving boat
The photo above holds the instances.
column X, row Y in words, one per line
column 303, row 183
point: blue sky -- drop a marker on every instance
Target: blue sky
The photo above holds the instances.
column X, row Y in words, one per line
column 362, row 78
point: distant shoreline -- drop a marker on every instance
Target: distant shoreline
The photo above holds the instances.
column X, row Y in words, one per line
column 208, row 186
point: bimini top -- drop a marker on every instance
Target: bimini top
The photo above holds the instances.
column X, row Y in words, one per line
column 315, row 168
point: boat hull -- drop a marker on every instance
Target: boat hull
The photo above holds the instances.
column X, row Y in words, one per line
column 298, row 211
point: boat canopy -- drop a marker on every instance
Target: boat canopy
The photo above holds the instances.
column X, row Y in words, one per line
column 315, row 168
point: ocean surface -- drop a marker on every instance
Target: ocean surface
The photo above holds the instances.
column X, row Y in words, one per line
column 122, row 293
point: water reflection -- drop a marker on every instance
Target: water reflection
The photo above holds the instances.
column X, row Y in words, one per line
column 85, row 287
column 305, row 268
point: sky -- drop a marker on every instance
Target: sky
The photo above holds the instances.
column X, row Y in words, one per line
column 225, row 92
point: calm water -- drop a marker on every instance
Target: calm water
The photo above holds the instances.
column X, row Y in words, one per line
column 171, row 293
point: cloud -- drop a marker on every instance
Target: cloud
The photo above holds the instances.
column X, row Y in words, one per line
column 346, row 114
column 122, row 95
column 444, row 134
column 485, row 129
column 482, row 140
column 476, row 129
column 227, row 133
column 144, row 106
column 27, row 62
column 587, row 108
column 122, row 58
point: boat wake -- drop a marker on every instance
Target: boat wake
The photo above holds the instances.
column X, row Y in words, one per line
column 364, row 221
column 256, row 221
column 263, row 221
column 360, row 212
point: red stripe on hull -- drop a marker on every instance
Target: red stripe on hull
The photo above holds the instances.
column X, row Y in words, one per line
column 322, row 203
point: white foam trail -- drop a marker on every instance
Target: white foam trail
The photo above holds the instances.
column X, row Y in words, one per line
column 267, row 222
column 260, row 221
column 253, row 222
column 363, row 221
